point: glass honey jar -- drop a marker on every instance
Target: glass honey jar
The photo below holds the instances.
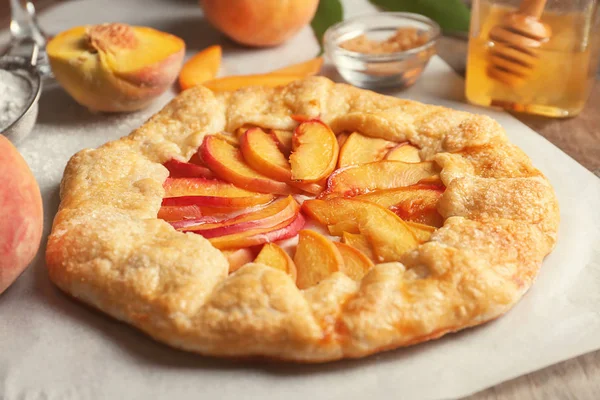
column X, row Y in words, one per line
column 537, row 57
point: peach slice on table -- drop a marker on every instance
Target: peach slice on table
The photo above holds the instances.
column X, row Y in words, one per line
column 404, row 152
column 115, row 67
column 255, row 237
column 232, row 83
column 226, row 162
column 315, row 152
column 274, row 256
column 271, row 215
column 237, row 258
column 181, row 169
column 389, row 235
column 356, row 263
column 210, row 193
column 261, row 152
column 316, row 258
column 416, row 203
column 283, row 139
column 358, row 179
column 360, row 149
column 202, row 67
column 360, row 243
column 177, row 213
column 306, row 68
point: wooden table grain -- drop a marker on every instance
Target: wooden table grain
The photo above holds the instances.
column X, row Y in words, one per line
column 579, row 137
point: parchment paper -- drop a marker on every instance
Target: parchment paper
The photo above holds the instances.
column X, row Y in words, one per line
column 54, row 348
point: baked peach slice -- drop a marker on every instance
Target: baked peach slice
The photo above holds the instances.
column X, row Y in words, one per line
column 389, row 235
column 356, row 263
column 341, row 138
column 360, row 243
column 181, row 169
column 269, row 216
column 358, row 179
column 177, row 213
column 210, row 193
column 261, row 153
column 421, row 232
column 404, row 152
column 237, row 258
column 315, row 152
column 226, row 162
column 416, row 203
column 274, row 256
column 316, row 258
column 255, row 237
column 360, row 149
column 283, row 139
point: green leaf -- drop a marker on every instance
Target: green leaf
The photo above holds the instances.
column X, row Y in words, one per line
column 451, row 15
column 328, row 13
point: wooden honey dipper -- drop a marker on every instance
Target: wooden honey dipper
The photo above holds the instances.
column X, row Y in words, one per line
column 514, row 54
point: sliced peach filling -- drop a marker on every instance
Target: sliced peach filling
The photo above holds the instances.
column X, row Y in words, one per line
column 251, row 192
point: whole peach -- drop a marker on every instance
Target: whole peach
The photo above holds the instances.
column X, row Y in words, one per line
column 259, row 23
column 21, row 214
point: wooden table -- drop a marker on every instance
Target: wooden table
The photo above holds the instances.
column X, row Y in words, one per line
column 578, row 378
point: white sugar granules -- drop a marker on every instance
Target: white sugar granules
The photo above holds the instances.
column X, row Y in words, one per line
column 15, row 92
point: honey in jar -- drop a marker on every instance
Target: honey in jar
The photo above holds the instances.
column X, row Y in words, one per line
column 559, row 82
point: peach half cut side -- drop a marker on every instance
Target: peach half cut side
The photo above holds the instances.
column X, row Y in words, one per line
column 227, row 163
column 115, row 67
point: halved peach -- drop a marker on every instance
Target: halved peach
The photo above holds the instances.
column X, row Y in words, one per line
column 360, row 149
column 255, row 237
column 358, row 179
column 210, row 193
column 227, row 163
column 260, row 151
column 176, row 213
column 274, row 256
column 269, row 216
column 315, row 152
column 316, row 258
column 356, row 263
column 416, row 203
column 180, row 169
column 360, row 243
column 283, row 140
column 404, row 152
column 390, row 237
column 237, row 258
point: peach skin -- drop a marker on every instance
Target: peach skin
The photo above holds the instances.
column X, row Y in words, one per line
column 115, row 67
column 21, row 214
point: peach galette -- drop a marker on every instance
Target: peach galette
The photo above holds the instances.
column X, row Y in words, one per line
column 310, row 222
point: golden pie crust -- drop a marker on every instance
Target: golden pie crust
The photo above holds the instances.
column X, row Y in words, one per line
column 108, row 249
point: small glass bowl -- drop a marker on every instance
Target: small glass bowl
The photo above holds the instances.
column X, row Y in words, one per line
column 398, row 69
